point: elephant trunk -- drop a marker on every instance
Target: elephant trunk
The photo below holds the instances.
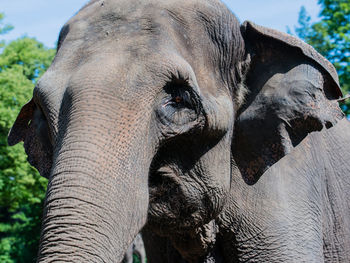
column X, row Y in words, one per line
column 97, row 197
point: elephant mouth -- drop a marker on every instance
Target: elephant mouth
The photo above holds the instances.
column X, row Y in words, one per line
column 172, row 207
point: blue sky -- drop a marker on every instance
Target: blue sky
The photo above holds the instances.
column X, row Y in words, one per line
column 43, row 19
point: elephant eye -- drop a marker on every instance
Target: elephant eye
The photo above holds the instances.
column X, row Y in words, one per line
column 180, row 104
column 180, row 98
column 180, row 95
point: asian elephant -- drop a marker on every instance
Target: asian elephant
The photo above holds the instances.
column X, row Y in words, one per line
column 222, row 142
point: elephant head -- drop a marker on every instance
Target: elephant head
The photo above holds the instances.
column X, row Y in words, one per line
column 146, row 109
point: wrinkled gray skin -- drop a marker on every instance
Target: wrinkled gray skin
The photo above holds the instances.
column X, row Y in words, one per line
column 222, row 141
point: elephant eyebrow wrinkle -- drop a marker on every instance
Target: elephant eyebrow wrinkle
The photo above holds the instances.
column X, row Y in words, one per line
column 178, row 18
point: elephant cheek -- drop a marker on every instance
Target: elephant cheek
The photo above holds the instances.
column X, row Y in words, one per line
column 183, row 201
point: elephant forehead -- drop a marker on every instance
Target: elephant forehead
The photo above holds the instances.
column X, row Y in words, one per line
column 134, row 24
column 139, row 33
column 191, row 28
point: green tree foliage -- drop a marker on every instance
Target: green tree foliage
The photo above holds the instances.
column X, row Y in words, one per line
column 4, row 28
column 22, row 190
column 331, row 37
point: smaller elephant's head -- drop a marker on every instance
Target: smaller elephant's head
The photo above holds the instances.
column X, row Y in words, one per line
column 150, row 106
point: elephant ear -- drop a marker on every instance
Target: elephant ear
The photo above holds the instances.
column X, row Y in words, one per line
column 21, row 125
column 292, row 91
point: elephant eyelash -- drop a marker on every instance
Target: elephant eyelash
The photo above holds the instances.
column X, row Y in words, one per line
column 180, row 100
column 181, row 95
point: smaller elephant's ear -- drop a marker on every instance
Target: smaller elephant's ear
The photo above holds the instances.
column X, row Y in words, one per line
column 292, row 91
column 20, row 127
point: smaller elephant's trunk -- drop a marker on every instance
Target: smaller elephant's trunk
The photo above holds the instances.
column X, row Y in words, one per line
column 96, row 200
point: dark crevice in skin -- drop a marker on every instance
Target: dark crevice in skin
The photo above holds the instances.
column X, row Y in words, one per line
column 300, row 128
column 214, row 255
column 176, row 159
column 329, row 87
